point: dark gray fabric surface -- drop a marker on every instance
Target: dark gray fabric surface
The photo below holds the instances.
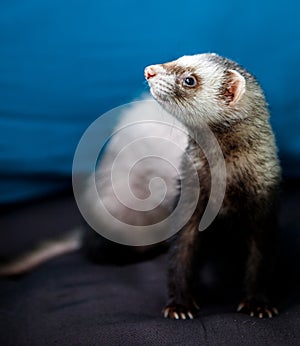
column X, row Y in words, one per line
column 70, row 301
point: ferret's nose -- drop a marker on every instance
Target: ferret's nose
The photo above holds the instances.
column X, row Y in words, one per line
column 149, row 72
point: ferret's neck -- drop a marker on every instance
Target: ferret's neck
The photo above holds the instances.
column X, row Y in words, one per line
column 219, row 129
column 241, row 134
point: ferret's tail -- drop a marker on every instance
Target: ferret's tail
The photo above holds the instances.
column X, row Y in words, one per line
column 45, row 251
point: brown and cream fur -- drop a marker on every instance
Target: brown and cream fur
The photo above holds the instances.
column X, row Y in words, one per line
column 211, row 90
column 204, row 90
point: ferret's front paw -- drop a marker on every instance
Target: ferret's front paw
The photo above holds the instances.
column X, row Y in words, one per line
column 180, row 311
column 257, row 308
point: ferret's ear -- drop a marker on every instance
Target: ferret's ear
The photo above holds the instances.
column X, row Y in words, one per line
column 235, row 87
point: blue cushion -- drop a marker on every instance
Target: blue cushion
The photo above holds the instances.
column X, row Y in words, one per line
column 64, row 63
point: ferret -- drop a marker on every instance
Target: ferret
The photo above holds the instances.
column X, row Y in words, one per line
column 207, row 89
column 204, row 90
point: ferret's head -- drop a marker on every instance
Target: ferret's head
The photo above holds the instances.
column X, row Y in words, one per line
column 204, row 87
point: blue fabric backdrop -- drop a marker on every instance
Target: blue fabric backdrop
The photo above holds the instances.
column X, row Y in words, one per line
column 63, row 63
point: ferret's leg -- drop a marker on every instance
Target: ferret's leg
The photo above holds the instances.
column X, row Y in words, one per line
column 182, row 274
column 259, row 268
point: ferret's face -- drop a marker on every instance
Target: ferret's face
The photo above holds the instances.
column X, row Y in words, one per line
column 192, row 88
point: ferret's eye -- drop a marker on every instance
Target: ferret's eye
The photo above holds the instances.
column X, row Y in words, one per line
column 190, row 81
